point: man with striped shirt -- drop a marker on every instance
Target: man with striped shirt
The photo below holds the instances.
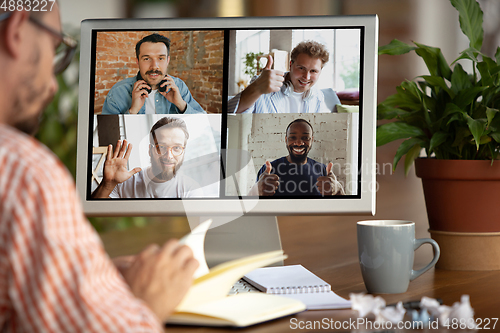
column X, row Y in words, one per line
column 54, row 273
column 292, row 92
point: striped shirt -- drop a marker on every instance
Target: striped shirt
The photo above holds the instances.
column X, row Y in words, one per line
column 54, row 273
column 276, row 102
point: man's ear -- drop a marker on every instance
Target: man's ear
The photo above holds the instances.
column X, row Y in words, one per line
column 15, row 32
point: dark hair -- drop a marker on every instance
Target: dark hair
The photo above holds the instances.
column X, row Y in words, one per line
column 153, row 38
column 168, row 122
column 312, row 49
column 299, row 120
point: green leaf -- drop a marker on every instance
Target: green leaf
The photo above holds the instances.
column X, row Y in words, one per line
column 404, row 148
column 495, row 136
column 477, row 128
column 435, row 61
column 412, row 154
column 395, row 47
column 484, row 139
column 455, row 117
column 468, row 96
column 461, row 135
column 484, row 70
column 397, row 130
column 454, row 111
column 437, row 139
column 497, row 55
column 490, row 62
column 400, row 100
column 469, row 54
column 387, row 112
column 490, row 114
column 494, row 124
column 471, row 21
column 459, row 79
column 437, row 81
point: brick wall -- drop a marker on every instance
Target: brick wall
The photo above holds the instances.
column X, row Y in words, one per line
column 196, row 57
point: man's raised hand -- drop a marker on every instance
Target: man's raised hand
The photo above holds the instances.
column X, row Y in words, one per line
column 270, row 80
column 115, row 169
column 329, row 185
column 268, row 183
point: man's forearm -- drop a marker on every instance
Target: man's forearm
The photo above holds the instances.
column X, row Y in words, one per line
column 102, row 191
column 248, row 98
column 182, row 106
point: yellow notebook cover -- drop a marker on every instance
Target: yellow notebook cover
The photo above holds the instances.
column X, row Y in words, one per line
column 207, row 301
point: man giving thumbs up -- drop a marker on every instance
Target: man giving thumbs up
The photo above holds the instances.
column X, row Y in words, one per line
column 297, row 174
column 275, row 91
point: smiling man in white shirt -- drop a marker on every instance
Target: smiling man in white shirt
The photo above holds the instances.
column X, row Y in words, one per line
column 275, row 91
column 168, row 139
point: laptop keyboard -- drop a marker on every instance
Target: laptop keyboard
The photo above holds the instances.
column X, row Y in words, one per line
column 243, row 287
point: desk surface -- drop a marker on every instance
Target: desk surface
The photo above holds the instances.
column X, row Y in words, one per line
column 333, row 257
column 327, row 246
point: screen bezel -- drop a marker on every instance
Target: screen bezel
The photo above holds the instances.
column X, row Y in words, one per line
column 365, row 204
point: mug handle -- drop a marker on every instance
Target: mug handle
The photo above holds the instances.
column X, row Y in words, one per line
column 437, row 252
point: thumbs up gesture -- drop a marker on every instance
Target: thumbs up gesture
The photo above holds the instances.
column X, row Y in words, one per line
column 270, row 80
column 268, row 183
column 329, row 185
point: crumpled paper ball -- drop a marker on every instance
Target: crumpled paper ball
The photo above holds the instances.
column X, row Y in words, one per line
column 367, row 304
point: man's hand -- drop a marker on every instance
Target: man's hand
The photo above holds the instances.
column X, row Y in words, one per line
column 161, row 276
column 268, row 183
column 139, row 95
column 115, row 169
column 329, row 185
column 172, row 93
column 123, row 263
column 270, row 80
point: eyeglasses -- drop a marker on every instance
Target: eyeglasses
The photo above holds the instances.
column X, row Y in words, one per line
column 64, row 51
column 175, row 150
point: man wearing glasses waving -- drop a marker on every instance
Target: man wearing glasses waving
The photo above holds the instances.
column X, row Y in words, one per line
column 54, row 273
column 168, row 138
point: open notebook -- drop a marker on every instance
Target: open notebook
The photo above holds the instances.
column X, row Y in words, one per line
column 206, row 302
column 297, row 282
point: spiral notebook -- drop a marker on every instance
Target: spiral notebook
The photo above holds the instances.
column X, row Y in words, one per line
column 297, row 282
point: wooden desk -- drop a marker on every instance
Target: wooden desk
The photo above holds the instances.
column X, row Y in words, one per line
column 330, row 251
column 327, row 246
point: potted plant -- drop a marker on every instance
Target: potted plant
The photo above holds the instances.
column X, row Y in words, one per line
column 454, row 117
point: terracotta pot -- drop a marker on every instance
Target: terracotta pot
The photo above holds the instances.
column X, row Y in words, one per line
column 461, row 195
column 463, row 208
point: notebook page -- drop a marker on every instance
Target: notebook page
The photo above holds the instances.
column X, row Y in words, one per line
column 293, row 279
